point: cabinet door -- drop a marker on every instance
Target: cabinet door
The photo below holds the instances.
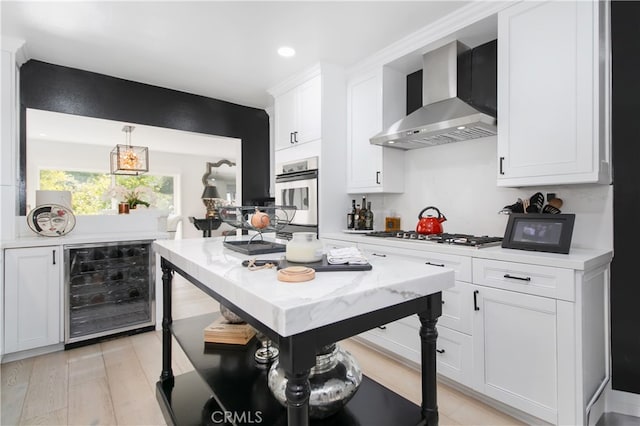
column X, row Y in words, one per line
column 371, row 102
column 364, row 161
column 285, row 112
column 514, row 342
column 548, row 97
column 457, row 308
column 32, row 298
column 309, row 114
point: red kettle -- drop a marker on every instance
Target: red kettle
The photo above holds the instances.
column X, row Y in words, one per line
column 430, row 225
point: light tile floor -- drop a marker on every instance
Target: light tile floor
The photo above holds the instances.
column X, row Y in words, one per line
column 113, row 382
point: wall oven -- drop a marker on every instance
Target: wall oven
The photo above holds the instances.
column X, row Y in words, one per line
column 297, row 185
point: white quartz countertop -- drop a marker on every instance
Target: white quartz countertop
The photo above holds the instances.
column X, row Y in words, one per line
column 578, row 258
column 291, row 308
column 71, row 239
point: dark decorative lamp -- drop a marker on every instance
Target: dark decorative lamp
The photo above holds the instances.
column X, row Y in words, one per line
column 128, row 159
column 210, row 197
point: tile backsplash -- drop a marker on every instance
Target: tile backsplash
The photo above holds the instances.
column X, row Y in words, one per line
column 460, row 180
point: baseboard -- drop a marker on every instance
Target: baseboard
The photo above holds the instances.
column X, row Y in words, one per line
column 16, row 356
column 623, row 402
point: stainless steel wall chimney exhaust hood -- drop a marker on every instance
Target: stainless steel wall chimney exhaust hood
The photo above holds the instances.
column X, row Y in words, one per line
column 444, row 118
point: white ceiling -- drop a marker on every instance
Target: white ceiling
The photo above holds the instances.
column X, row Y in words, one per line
column 219, row 49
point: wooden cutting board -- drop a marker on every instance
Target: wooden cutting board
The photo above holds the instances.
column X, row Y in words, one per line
column 222, row 331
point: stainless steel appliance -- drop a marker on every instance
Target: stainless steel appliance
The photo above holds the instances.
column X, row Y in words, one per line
column 297, row 185
column 443, row 238
column 444, row 117
column 109, row 288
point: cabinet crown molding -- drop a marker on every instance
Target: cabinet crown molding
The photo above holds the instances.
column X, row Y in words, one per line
column 16, row 47
column 299, row 78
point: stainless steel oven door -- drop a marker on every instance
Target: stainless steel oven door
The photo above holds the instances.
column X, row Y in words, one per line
column 301, row 192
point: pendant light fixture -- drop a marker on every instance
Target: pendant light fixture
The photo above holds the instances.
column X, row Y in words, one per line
column 128, row 159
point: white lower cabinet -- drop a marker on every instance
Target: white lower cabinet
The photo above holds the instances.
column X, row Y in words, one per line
column 515, row 350
column 528, row 335
column 33, row 298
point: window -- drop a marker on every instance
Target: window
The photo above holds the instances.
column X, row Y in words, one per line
column 87, row 188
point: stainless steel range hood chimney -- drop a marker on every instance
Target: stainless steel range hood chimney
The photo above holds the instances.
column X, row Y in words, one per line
column 444, row 118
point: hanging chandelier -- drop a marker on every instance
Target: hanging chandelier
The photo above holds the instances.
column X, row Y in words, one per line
column 128, row 159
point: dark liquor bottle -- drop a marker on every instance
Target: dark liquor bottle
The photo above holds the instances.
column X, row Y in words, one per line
column 351, row 216
column 356, row 218
column 362, row 214
column 368, row 217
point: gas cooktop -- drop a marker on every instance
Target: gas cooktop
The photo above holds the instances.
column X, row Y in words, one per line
column 444, row 238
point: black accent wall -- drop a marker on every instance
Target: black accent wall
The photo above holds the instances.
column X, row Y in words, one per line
column 477, row 80
column 72, row 91
column 625, row 274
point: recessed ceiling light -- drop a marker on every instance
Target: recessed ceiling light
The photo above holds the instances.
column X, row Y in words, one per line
column 286, row 51
column 390, row 142
column 461, row 127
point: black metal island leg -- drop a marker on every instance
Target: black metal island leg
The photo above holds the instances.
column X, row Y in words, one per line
column 297, row 392
column 297, row 357
column 428, row 337
column 166, row 377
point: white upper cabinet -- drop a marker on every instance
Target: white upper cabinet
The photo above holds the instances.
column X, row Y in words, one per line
column 298, row 114
column 552, row 101
column 372, row 168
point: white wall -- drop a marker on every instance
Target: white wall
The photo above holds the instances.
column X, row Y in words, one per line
column 460, row 180
column 187, row 169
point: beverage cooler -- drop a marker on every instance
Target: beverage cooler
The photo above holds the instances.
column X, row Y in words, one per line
column 109, row 289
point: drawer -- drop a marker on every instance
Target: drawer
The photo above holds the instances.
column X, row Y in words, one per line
column 457, row 307
column 455, row 355
column 460, row 264
column 557, row 283
column 399, row 337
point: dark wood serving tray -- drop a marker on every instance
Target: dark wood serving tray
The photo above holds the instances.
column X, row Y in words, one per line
column 324, row 266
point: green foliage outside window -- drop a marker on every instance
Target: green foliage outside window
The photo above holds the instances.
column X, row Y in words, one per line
column 88, row 188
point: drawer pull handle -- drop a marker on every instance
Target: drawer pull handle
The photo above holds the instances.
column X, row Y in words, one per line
column 383, row 327
column 435, row 264
column 379, row 254
column 517, row 278
column 378, row 178
column 440, row 351
column 54, row 257
column 475, row 300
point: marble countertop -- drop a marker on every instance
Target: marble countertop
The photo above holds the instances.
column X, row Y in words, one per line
column 291, row 308
column 578, row 258
column 69, row 239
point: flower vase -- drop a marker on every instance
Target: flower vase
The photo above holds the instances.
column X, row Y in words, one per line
column 123, row 208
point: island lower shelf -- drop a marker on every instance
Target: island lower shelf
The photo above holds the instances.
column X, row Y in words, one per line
column 228, row 382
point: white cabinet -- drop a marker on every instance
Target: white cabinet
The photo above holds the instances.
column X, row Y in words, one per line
column 529, row 335
column 552, row 96
column 372, row 102
column 33, row 298
column 515, row 350
column 298, row 114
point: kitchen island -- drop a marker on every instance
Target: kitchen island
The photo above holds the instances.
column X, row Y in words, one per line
column 300, row 318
